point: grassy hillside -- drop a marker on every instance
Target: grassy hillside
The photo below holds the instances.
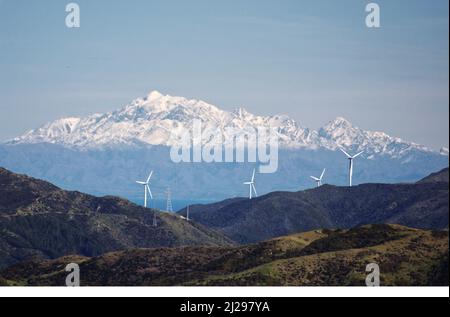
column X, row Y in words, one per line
column 324, row 257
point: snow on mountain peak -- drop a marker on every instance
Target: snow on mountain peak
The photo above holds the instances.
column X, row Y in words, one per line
column 242, row 113
column 154, row 95
column 341, row 132
column 150, row 121
column 338, row 123
column 341, row 121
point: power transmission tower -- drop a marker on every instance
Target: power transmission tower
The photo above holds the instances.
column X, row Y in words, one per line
column 169, row 207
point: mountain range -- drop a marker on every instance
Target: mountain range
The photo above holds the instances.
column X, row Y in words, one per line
column 105, row 153
column 150, row 121
column 422, row 205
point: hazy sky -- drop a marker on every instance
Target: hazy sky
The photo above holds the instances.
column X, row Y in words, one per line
column 313, row 60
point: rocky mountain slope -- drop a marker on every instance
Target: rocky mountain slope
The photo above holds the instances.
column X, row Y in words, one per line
column 318, row 258
column 421, row 205
column 38, row 219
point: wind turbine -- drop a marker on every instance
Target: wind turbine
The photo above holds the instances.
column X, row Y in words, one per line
column 319, row 180
column 351, row 158
column 187, row 214
column 146, row 188
column 251, row 185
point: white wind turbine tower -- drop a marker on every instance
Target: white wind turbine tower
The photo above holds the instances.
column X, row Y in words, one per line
column 187, row 214
column 319, row 179
column 350, row 169
column 251, row 185
column 146, row 188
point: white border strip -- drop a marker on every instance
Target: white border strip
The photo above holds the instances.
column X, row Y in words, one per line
column 228, row 292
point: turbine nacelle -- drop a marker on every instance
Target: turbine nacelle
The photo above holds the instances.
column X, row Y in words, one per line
column 351, row 157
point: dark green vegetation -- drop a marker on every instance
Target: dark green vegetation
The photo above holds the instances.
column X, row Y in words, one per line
column 421, row 205
column 326, row 257
column 38, row 219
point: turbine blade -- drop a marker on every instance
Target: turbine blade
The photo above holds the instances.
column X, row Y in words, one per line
column 149, row 176
column 358, row 154
column 323, row 173
column 142, row 183
column 254, row 189
column 315, row 178
column 149, row 191
column 253, row 176
column 343, row 151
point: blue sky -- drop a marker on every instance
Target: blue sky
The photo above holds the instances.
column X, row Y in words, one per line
column 312, row 60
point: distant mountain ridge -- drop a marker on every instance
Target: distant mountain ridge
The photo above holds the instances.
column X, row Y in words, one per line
column 439, row 177
column 422, row 205
column 150, row 121
column 40, row 220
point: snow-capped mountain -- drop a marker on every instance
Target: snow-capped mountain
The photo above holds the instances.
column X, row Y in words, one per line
column 341, row 133
column 104, row 154
column 152, row 119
